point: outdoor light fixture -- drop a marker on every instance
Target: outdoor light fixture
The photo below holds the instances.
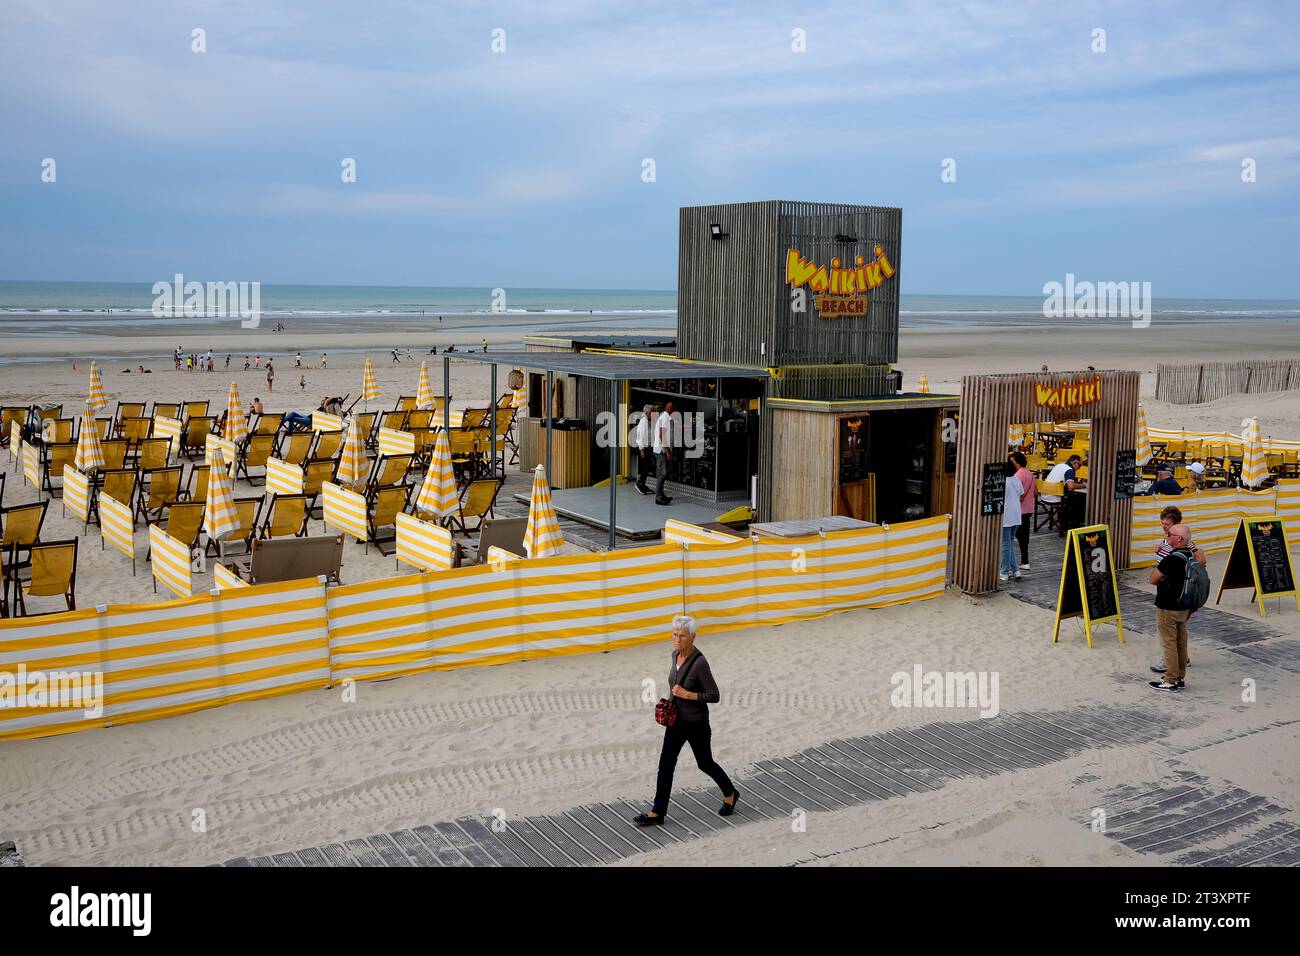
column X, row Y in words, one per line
column 841, row 237
column 715, row 230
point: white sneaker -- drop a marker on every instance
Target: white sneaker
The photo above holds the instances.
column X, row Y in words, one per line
column 1002, row 576
column 1024, row 567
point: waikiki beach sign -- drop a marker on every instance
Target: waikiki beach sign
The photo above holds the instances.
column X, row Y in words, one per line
column 840, row 290
column 1068, row 395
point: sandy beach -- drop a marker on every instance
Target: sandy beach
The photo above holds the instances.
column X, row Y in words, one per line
column 294, row 772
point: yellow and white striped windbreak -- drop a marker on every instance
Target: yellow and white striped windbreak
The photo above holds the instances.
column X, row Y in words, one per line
column 543, row 535
column 283, row 478
column 164, row 427
column 96, row 399
column 325, row 422
column 1254, row 466
column 352, row 461
column 90, row 456
column 219, row 519
column 437, row 495
column 369, row 384
column 395, row 442
column 424, row 393
column 76, row 492
column 236, row 427
column 1143, row 438
column 423, row 544
column 520, row 398
column 15, row 439
column 1015, row 435
column 32, row 464
column 344, row 510
column 170, row 560
column 116, row 524
column 224, row 578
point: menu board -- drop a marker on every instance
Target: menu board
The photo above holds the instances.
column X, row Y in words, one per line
column 854, row 465
column 993, row 491
column 1260, row 559
column 1125, row 473
column 1088, row 586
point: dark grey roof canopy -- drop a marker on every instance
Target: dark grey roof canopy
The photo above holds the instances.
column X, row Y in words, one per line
column 611, row 368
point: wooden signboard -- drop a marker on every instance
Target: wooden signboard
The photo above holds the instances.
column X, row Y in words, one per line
column 1125, row 473
column 1260, row 559
column 1088, row 588
column 993, row 490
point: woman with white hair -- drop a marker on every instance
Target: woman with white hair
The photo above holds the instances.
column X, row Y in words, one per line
column 686, row 719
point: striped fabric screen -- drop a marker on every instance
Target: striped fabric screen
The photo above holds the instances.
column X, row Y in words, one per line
column 325, row 422
column 170, row 560
column 345, row 510
column 224, row 578
column 394, row 442
column 283, row 478
column 229, row 452
column 681, row 532
column 423, row 544
column 76, row 492
column 116, row 525
column 1212, row 516
column 164, row 427
column 32, row 464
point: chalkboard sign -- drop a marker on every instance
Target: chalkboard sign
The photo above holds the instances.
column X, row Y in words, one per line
column 1125, row 473
column 1260, row 559
column 1088, row 587
column 993, row 493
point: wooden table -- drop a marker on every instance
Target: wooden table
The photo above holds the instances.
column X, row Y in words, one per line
column 808, row 526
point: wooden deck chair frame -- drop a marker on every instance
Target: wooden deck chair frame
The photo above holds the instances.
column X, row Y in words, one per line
column 331, row 442
column 134, row 429
column 115, row 452
column 151, row 498
column 13, row 563
column 153, row 453
column 101, row 480
column 387, row 495
column 268, row 423
column 267, row 513
column 166, row 410
column 55, row 456
column 264, row 446
column 295, row 447
column 196, row 410
column 128, row 410
column 9, row 414
column 389, row 470
column 189, row 507
column 68, row 592
column 311, row 468
column 198, row 492
column 476, row 489
column 194, row 435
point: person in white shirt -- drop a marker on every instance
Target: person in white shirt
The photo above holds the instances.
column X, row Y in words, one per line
column 662, row 446
column 643, row 442
column 1065, row 474
column 1010, row 525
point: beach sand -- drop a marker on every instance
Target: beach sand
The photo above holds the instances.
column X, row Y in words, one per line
column 542, row 736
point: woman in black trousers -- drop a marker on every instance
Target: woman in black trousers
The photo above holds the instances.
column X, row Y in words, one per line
column 693, row 689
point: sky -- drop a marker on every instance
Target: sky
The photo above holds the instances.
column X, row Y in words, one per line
column 525, row 165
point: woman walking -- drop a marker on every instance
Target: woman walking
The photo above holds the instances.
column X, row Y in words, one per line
column 1010, row 524
column 1027, row 493
column 693, row 689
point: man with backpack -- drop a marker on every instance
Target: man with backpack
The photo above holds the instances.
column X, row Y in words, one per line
column 1182, row 587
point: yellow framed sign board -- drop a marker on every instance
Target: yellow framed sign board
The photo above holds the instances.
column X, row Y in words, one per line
column 1261, row 559
column 1088, row 587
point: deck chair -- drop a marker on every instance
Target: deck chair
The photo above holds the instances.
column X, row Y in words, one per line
column 117, row 483
column 20, row 528
column 196, row 410
column 394, row 420
column 153, row 453
column 284, row 517
column 476, row 502
column 389, row 470
column 327, row 444
column 49, row 412
column 254, row 454
column 385, row 504
column 246, row 512
column 505, row 533
column 128, row 410
column 135, row 429
column 4, row 586
column 195, row 437
column 160, row 486
column 475, row 417
column 104, row 426
column 366, row 427
column 268, row 423
column 292, row 559
column 60, row 430
column 295, row 446
column 463, row 445
column 53, row 573
column 167, row 410
column 115, row 450
column 56, row 456
column 8, row 415
column 418, row 418
column 405, row 403
column 184, row 523
column 315, row 472
column 196, row 486
column 1049, row 511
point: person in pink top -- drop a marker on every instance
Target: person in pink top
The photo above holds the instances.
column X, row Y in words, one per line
column 1026, row 479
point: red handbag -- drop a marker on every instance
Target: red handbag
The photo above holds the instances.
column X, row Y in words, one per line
column 666, row 709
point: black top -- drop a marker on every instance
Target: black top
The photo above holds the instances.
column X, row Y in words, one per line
column 1174, row 568
column 1167, row 486
column 699, row 679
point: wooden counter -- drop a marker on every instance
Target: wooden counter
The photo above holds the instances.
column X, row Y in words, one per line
column 570, row 453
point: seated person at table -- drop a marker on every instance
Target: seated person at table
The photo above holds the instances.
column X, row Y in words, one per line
column 1064, row 472
column 1197, row 470
column 1165, row 483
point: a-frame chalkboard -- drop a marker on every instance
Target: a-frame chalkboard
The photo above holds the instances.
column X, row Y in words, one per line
column 1088, row 587
column 1261, row 559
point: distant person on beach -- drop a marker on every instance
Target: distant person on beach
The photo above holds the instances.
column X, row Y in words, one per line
column 270, row 377
column 396, row 360
column 645, row 460
column 485, row 345
column 246, row 363
column 662, row 445
column 302, row 382
column 227, row 360
column 1010, row 524
column 1026, row 479
column 692, row 689
column 324, row 360
column 434, row 350
column 257, row 361
column 297, row 362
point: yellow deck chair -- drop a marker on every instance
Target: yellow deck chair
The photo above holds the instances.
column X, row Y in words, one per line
column 286, row 517
column 114, row 453
column 56, row 456
column 256, row 451
column 418, row 418
column 1049, row 511
column 474, row 417
column 476, row 502
column 162, row 485
column 394, row 420
column 185, row 521
column 129, row 410
column 268, row 423
column 134, row 429
column 53, row 573
column 390, row 470
column 153, row 453
column 119, row 484
column 20, row 525
column 104, row 426
column 294, row 447
column 167, row 410
column 385, row 505
column 8, row 415
column 405, row 403
column 246, row 512
column 366, row 426
column 194, row 440
column 328, row 444
column 199, row 479
column 196, row 409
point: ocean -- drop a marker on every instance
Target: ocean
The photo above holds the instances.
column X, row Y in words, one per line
column 50, row 307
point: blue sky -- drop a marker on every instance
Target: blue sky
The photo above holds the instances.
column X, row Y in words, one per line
column 524, row 168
